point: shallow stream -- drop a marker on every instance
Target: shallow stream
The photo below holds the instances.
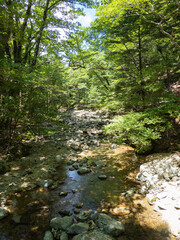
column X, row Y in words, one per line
column 31, row 211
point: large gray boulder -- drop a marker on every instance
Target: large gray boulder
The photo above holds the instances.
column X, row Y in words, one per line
column 61, row 223
column 3, row 213
column 78, row 228
column 94, row 235
column 48, row 236
column 109, row 225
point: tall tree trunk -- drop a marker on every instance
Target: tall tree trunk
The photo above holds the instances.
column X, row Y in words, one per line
column 36, row 51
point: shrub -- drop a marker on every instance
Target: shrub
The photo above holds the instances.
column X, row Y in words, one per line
column 138, row 129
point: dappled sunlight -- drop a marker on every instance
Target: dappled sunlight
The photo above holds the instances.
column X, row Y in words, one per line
column 37, row 183
column 15, row 168
column 24, row 184
column 132, row 209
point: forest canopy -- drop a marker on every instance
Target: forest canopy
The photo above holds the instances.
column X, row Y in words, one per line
column 127, row 62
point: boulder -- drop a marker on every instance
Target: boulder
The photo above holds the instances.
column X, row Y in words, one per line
column 70, row 162
column 48, row 236
column 94, row 235
column 102, row 177
column 84, row 170
column 78, row 228
column 61, row 223
column 63, row 236
column 109, row 225
column 100, row 163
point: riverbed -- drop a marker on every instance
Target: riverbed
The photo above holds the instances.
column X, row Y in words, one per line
column 46, row 182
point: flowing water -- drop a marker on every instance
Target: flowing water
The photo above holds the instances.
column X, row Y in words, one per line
column 32, row 210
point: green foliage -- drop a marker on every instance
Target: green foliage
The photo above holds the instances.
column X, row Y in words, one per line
column 128, row 60
column 142, row 129
column 136, row 129
column 32, row 75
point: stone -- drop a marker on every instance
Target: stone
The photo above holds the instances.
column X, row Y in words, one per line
column 48, row 236
column 74, row 144
column 56, row 233
column 61, row 223
column 81, row 164
column 63, row 194
column 74, row 190
column 159, row 178
column 75, row 166
column 94, row 235
column 78, row 228
column 129, row 193
column 83, row 161
column 76, row 210
column 70, row 162
column 177, row 204
column 83, row 216
column 63, row 236
column 44, row 183
column 71, row 169
column 78, row 205
column 83, row 170
column 109, row 225
column 151, row 199
column 3, row 213
column 94, row 216
column 120, row 209
column 100, row 163
column 102, row 177
column 65, row 212
column 43, row 158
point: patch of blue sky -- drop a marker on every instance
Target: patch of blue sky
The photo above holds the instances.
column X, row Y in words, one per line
column 89, row 17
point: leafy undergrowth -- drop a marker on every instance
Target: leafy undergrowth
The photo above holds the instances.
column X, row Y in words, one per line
column 143, row 129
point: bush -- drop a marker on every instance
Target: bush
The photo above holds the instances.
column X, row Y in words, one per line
column 139, row 129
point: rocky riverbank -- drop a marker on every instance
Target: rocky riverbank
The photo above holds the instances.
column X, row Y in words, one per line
column 160, row 179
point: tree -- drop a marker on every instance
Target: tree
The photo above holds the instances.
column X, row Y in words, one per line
column 141, row 51
column 29, row 37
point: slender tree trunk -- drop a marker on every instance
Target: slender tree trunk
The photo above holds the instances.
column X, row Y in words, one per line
column 36, row 51
column 100, row 79
column 140, row 64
